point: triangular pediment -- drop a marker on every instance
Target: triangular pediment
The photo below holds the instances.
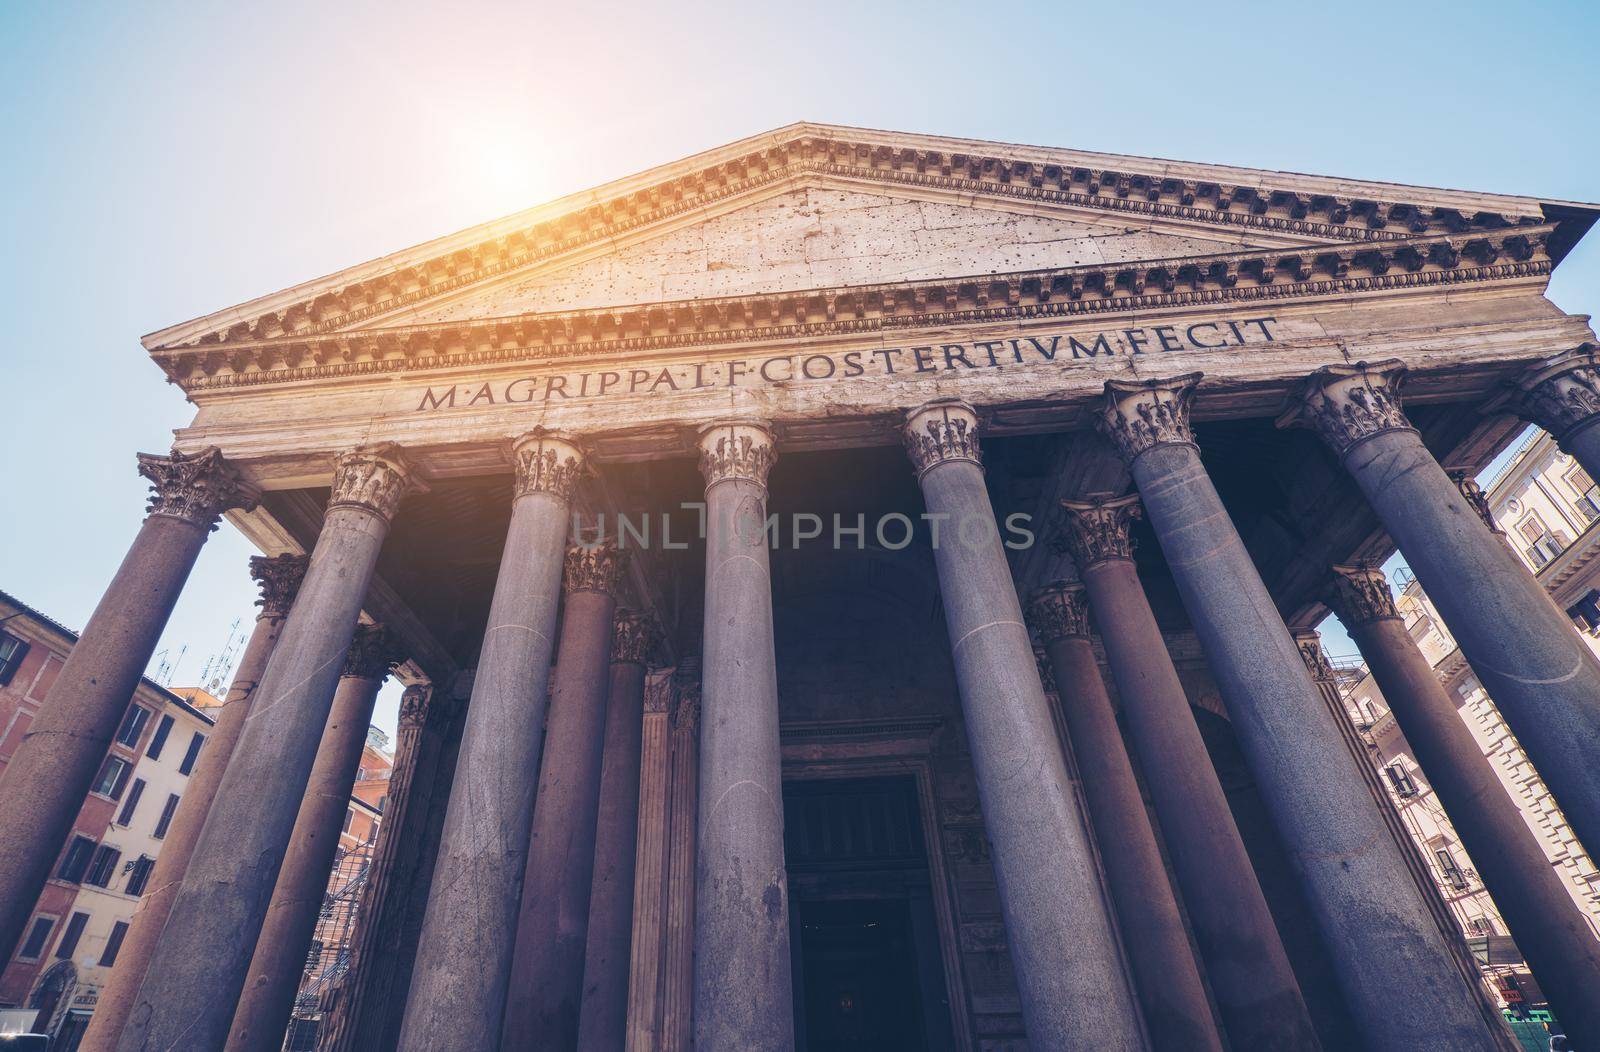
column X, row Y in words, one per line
column 821, row 237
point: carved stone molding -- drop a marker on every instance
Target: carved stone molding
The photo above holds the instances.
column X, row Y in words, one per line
column 686, row 697
column 1476, row 497
column 1560, row 394
column 1059, row 611
column 414, row 705
column 658, row 694
column 743, row 451
column 1316, row 659
column 547, row 462
column 376, row 478
column 942, row 432
column 194, row 487
column 593, row 568
column 1345, row 404
column 373, row 652
column 1141, row 414
column 1047, row 672
column 633, row 637
column 1359, row 594
column 1097, row 530
column 279, row 579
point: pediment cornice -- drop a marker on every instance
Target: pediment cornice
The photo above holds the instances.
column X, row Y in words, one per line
column 1236, row 200
column 1257, row 275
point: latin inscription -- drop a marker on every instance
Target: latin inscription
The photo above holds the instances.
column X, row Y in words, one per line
column 1023, row 351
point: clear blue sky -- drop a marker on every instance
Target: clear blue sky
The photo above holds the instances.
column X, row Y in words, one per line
column 166, row 160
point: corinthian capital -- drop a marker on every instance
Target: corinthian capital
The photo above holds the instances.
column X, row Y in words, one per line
column 686, row 697
column 1315, row 658
column 1059, row 611
column 1098, row 530
column 1140, row 415
column 1560, row 394
column 633, row 637
column 414, row 705
column 736, row 451
column 941, row 432
column 1359, row 594
column 1476, row 497
column 593, row 568
column 194, row 487
column 373, row 652
column 547, row 462
column 279, row 578
column 1345, row 404
column 375, row 478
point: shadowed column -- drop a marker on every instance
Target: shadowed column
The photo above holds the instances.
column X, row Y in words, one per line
column 1075, row 993
column 547, row 968
column 1549, row 929
column 603, row 1017
column 43, row 785
column 1524, row 649
column 742, row 994
column 458, row 985
column 198, row 969
column 683, row 816
column 1250, row 974
column 267, row 999
column 1392, row 962
column 279, row 579
column 1165, row 975
column 647, row 951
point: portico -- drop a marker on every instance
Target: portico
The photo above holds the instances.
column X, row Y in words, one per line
column 821, row 395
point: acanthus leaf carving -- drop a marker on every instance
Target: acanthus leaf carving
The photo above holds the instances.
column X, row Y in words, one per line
column 1059, row 611
column 194, row 487
column 593, row 568
column 736, row 451
column 1359, row 594
column 279, row 579
column 1097, row 530
column 1346, row 404
column 375, row 478
column 1140, row 415
column 634, row 637
column 373, row 652
column 547, row 462
column 942, row 432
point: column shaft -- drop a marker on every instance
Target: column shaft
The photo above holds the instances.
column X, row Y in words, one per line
column 279, row 961
column 648, row 949
column 1075, row 993
column 1165, row 975
column 603, row 1017
column 1392, row 963
column 1250, row 974
column 742, row 994
column 547, row 969
column 198, row 969
column 458, row 985
column 280, row 579
column 677, row 996
column 44, row 784
column 1549, row 929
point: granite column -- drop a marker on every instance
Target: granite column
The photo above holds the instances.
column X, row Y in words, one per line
column 542, row 1002
column 1549, row 929
column 603, row 1017
column 683, row 817
column 1166, row 977
column 270, row 986
column 458, row 984
column 44, row 784
column 198, row 969
column 1075, row 993
column 742, row 996
column 1392, row 962
column 279, row 579
column 647, row 953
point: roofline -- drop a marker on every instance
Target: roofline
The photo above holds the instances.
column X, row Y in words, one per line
column 1152, row 166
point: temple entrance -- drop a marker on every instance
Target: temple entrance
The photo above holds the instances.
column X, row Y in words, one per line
column 864, row 938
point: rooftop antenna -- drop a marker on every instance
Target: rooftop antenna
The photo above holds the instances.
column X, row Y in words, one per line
column 215, row 675
column 165, row 673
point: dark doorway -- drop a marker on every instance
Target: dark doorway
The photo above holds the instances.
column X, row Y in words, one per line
column 867, row 969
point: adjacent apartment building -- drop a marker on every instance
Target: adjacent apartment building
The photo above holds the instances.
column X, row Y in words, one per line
column 78, row 924
column 1549, row 512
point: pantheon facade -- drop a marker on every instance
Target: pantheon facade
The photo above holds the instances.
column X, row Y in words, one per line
column 855, row 590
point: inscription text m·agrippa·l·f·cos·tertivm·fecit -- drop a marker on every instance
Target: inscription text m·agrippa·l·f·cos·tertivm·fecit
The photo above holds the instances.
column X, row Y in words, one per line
column 822, row 366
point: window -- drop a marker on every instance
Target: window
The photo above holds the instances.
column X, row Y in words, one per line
column 1452, row 871
column 193, row 754
column 1585, row 613
column 33, row 946
column 76, row 861
column 70, row 937
column 158, row 740
column 1588, row 502
column 12, row 651
column 113, row 777
column 349, row 817
column 108, row 956
column 165, row 821
column 103, row 867
column 1542, row 545
column 1400, row 779
column 141, row 875
column 125, row 817
column 133, row 725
